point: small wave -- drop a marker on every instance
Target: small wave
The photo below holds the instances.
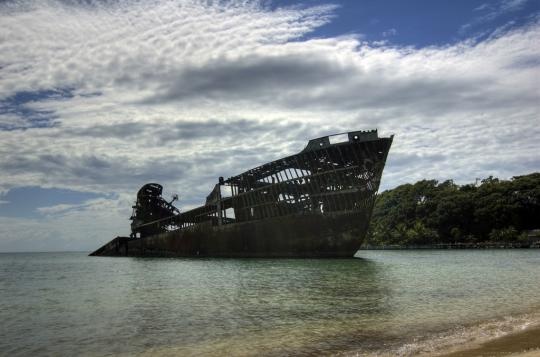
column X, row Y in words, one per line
column 459, row 338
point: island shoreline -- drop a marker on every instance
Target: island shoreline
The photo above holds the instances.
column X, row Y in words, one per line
column 483, row 245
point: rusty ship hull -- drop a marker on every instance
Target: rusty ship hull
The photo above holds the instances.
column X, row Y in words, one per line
column 316, row 203
column 307, row 235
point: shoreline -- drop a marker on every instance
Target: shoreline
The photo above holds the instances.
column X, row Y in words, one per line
column 524, row 343
column 512, row 335
column 442, row 246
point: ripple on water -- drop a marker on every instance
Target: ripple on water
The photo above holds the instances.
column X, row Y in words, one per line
column 400, row 302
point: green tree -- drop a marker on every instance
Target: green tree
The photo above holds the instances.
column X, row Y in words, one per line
column 428, row 212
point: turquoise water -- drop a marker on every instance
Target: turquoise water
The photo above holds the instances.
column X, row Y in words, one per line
column 393, row 302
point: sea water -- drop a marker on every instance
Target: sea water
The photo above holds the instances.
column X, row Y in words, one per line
column 381, row 302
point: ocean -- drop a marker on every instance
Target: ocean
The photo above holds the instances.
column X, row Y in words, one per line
column 380, row 303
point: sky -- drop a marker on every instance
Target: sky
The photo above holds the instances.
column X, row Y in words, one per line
column 99, row 97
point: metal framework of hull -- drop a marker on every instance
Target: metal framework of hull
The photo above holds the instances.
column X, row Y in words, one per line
column 326, row 177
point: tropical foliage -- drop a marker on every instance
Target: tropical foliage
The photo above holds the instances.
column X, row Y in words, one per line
column 431, row 212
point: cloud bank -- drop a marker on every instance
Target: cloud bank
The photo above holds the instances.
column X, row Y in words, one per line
column 105, row 96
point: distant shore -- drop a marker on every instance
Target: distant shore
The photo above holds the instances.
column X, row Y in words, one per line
column 525, row 343
column 483, row 245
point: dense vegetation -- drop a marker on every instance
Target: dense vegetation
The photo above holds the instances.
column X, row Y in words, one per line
column 429, row 212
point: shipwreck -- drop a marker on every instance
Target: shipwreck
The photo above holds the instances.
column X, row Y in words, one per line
column 316, row 203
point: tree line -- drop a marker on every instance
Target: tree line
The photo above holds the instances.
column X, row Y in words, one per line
column 432, row 212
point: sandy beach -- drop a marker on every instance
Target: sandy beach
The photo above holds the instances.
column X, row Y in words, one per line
column 525, row 343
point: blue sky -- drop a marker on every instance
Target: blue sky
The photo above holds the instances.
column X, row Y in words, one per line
column 422, row 23
column 24, row 201
column 99, row 98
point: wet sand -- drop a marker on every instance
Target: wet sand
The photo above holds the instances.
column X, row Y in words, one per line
column 525, row 343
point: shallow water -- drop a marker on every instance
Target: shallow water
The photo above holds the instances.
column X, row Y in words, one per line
column 396, row 302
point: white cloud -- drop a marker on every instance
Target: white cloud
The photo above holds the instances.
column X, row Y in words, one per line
column 512, row 5
column 491, row 11
column 389, row 32
column 67, row 209
column 481, row 7
column 82, row 227
column 182, row 92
